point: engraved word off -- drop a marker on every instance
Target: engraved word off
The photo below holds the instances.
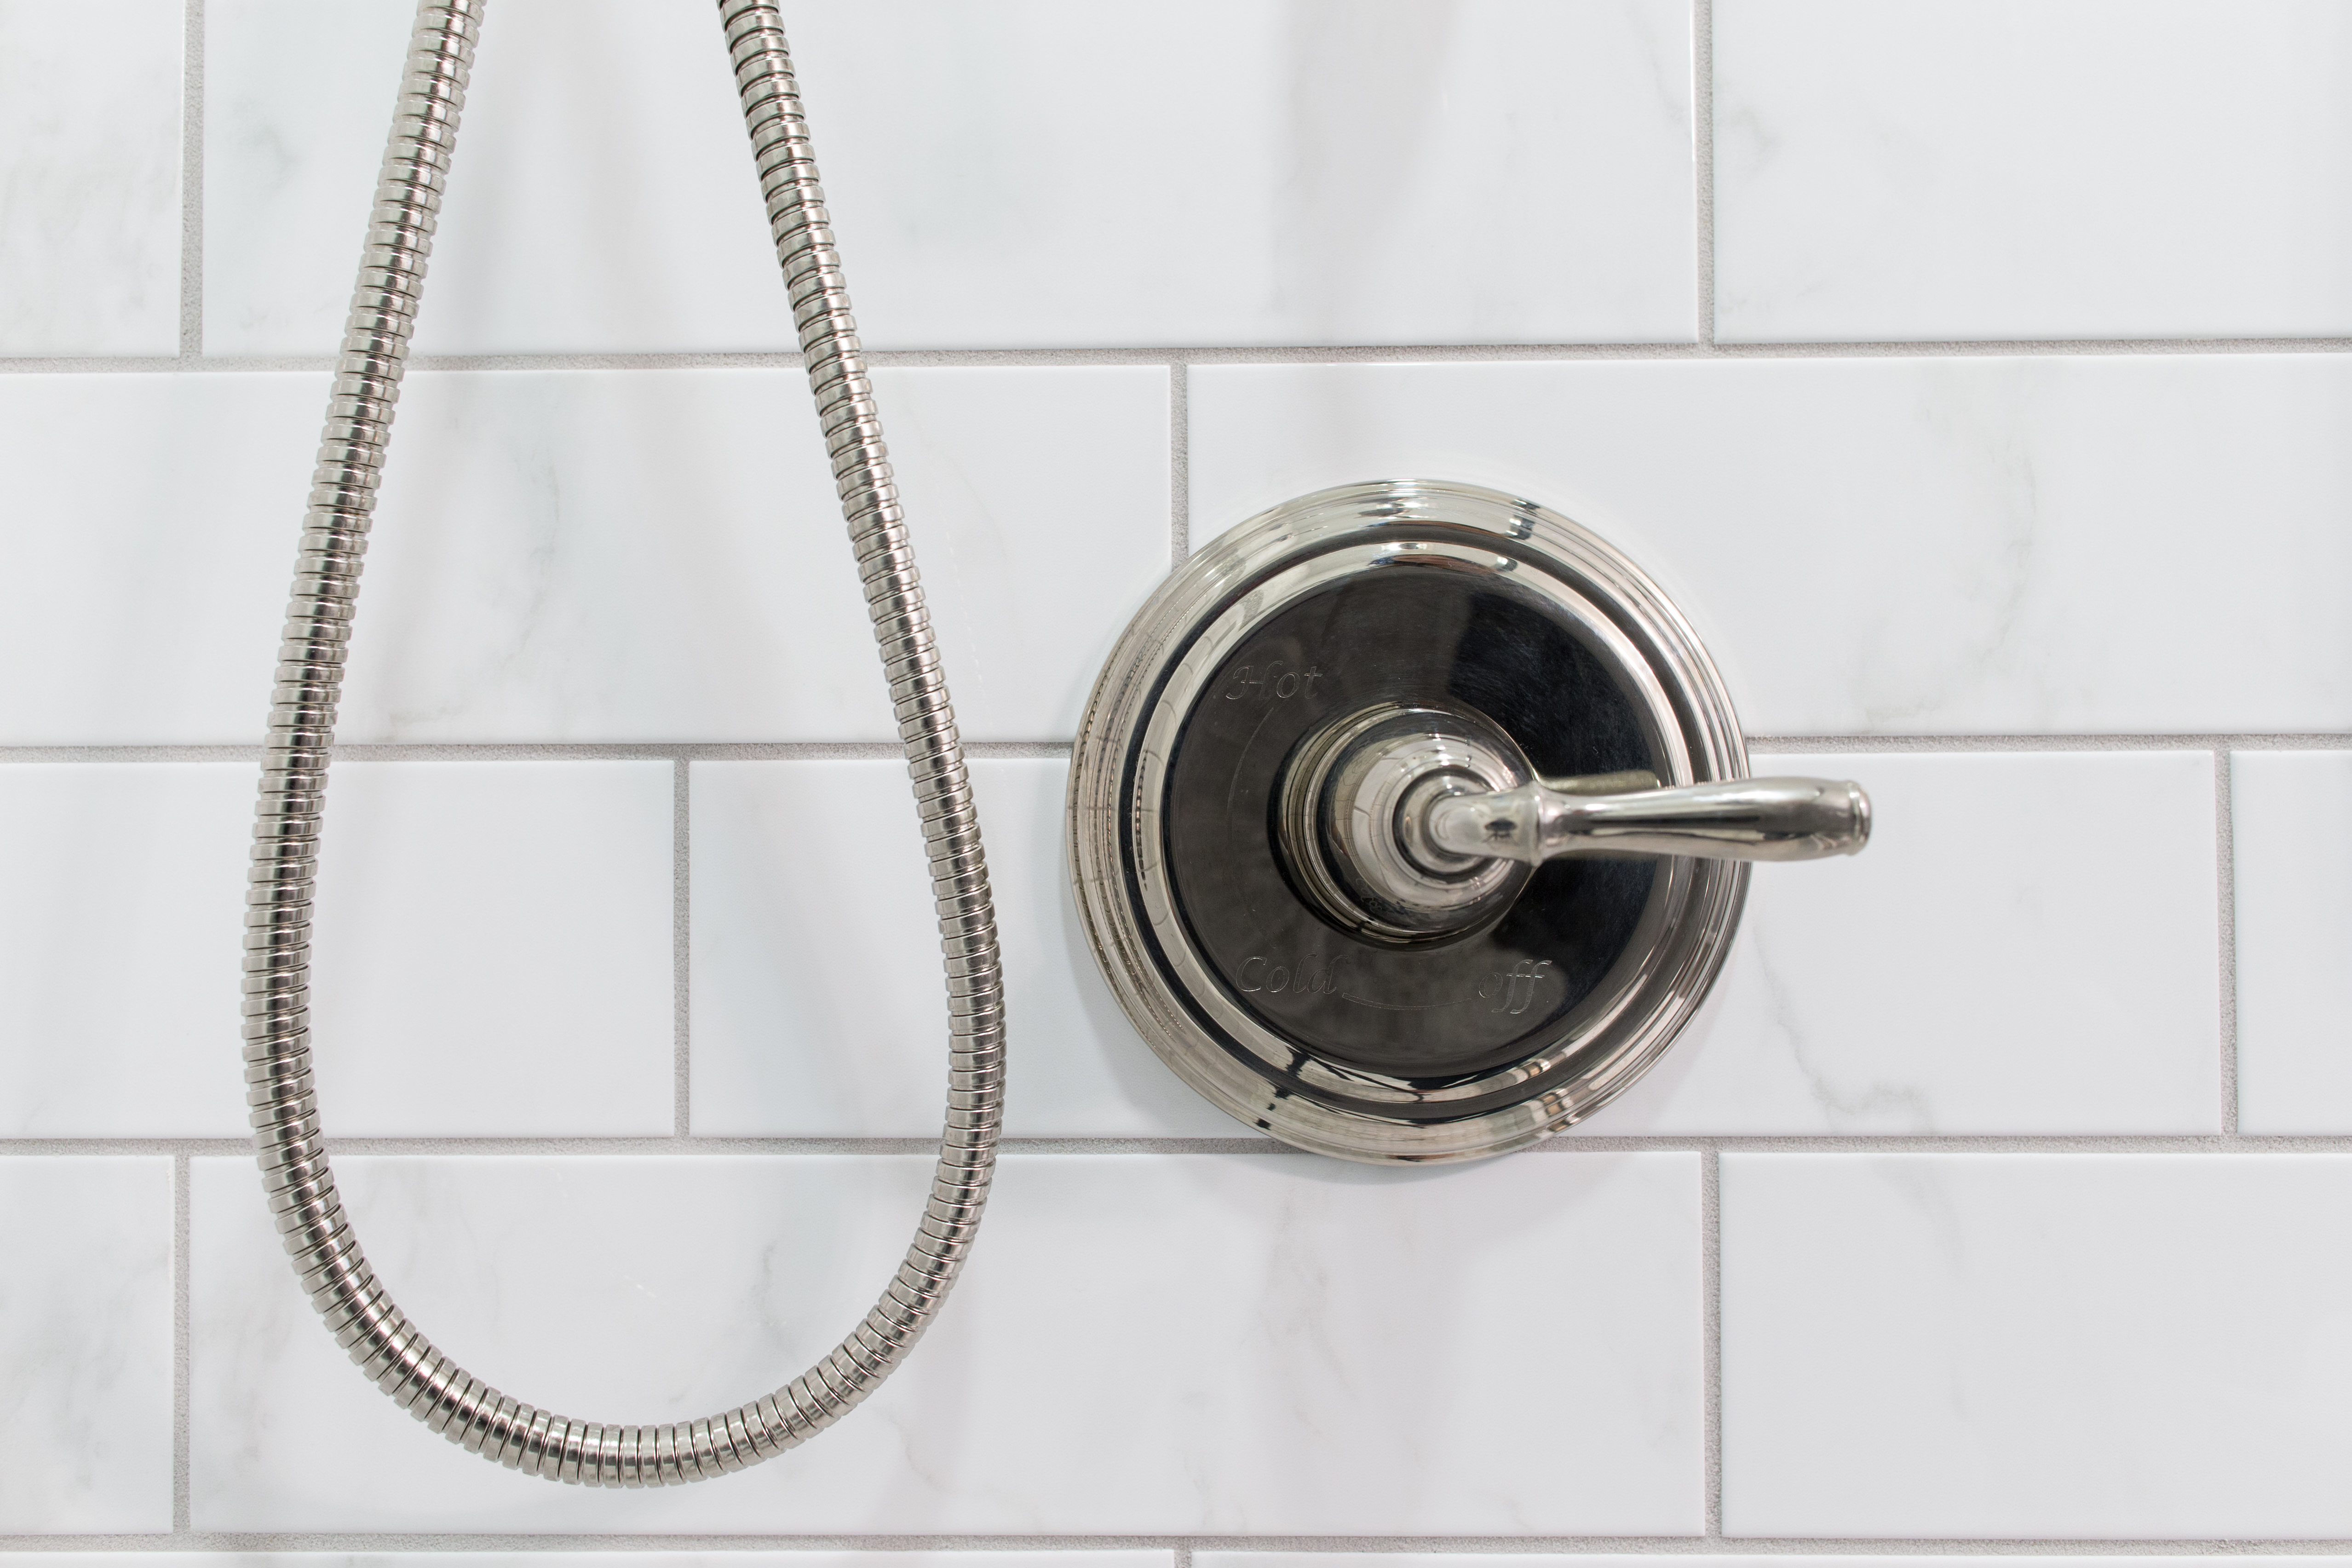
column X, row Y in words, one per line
column 1513, row 990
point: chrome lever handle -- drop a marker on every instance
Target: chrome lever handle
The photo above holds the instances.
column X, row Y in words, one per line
column 1733, row 820
column 1409, row 825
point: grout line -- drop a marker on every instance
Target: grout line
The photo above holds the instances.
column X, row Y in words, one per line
column 824, row 751
column 192, row 180
column 1472, row 353
column 168, row 752
column 1327, row 354
column 1710, row 1219
column 1183, row 1547
column 2310, row 741
column 1567, row 1144
column 527, row 751
column 681, row 949
column 180, row 1339
column 1703, row 158
column 1177, row 362
column 1572, row 1141
column 2225, row 884
column 112, row 364
column 1180, row 466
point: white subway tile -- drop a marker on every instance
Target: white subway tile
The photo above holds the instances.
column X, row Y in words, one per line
column 727, row 1557
column 568, row 556
column 1056, row 172
column 819, row 1006
column 1041, row 174
column 121, row 913
column 494, row 949
column 2032, row 169
column 2018, row 1346
column 603, row 196
column 1143, row 1344
column 2029, row 945
column 1971, row 546
column 297, row 102
column 86, row 1345
column 146, row 550
column 2293, row 844
column 1940, row 1559
column 660, row 555
column 493, row 953
column 89, row 178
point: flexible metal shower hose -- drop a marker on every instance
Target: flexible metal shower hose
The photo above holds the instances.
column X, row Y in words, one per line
column 388, row 1347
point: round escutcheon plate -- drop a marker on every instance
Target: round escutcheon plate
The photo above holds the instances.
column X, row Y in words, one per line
column 1483, row 613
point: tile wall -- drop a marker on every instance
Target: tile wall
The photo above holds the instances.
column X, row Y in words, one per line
column 1978, row 377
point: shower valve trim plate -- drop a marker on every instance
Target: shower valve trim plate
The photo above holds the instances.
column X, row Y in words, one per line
column 1410, row 821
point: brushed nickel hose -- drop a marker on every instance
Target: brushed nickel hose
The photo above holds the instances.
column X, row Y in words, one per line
column 286, row 1133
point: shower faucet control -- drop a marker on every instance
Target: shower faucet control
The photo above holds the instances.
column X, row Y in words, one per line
column 1409, row 822
column 1414, row 824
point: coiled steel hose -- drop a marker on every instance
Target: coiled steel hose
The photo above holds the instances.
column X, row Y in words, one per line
column 326, row 1256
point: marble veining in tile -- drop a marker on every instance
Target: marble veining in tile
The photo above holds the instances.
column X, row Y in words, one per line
column 1893, row 546
column 493, row 950
column 89, row 178
column 85, row 1345
column 1230, row 1351
column 1391, row 172
column 122, row 912
column 1034, row 176
column 603, row 198
column 598, row 555
column 659, row 555
column 2015, row 1346
column 1143, row 1344
column 2292, row 845
column 142, row 584
column 818, row 1008
column 2028, row 945
column 2032, row 169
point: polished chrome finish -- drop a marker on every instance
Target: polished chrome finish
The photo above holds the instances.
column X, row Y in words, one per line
column 1404, row 824
column 1739, row 820
column 302, row 1190
column 1355, row 657
column 1352, row 802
